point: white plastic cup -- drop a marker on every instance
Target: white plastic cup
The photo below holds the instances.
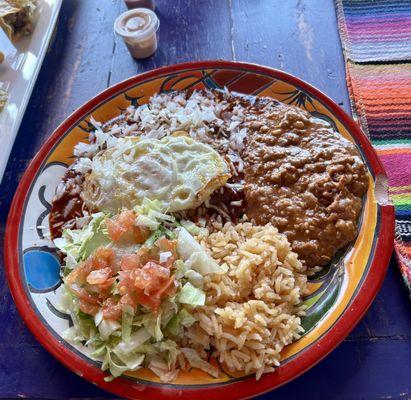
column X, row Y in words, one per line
column 138, row 28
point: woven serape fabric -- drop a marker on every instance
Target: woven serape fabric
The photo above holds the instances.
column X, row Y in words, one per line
column 376, row 39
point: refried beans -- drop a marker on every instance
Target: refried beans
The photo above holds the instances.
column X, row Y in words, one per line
column 305, row 178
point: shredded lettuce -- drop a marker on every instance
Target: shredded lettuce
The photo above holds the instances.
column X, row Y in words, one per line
column 151, row 214
column 161, row 369
column 140, row 350
column 187, row 245
column 179, row 321
column 149, row 349
column 158, row 233
column 144, row 220
column 122, row 356
column 98, row 318
column 195, row 278
column 169, row 308
column 154, row 237
column 71, row 335
column 192, row 228
column 126, row 324
column 148, row 205
column 173, row 327
column 78, row 244
column 107, row 327
column 180, row 269
column 84, row 324
column 186, row 319
column 195, row 255
column 140, row 338
column 197, row 362
column 191, row 295
column 204, row 264
column 133, row 342
column 169, row 348
column 100, row 348
column 118, row 366
column 152, row 322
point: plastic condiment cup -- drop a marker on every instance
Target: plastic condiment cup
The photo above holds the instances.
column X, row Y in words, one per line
column 138, row 28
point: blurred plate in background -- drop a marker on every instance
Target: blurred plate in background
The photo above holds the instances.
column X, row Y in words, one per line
column 19, row 71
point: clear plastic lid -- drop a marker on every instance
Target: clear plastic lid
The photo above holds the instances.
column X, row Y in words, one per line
column 137, row 23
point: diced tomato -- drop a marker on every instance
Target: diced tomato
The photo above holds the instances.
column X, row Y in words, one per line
column 102, row 258
column 82, row 294
column 73, row 276
column 99, row 276
column 79, row 273
column 141, row 234
column 85, row 268
column 111, row 309
column 92, row 280
column 106, row 286
column 146, row 255
column 165, row 244
column 142, row 278
column 130, row 299
column 130, row 262
column 87, row 308
column 151, row 277
column 168, row 288
column 145, row 285
column 152, row 302
column 125, row 285
column 120, row 224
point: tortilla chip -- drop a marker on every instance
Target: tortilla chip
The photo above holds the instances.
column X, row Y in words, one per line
column 16, row 17
column 3, row 98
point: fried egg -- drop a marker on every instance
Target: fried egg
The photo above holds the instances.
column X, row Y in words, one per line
column 179, row 172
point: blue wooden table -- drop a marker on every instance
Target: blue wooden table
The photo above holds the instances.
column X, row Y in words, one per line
column 298, row 36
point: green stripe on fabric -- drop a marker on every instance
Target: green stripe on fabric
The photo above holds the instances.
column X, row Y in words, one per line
column 403, row 206
column 378, row 142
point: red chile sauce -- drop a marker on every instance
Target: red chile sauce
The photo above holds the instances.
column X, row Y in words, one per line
column 67, row 203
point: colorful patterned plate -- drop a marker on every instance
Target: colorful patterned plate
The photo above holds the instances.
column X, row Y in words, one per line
column 339, row 296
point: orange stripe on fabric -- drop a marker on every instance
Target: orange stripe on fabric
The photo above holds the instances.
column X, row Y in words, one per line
column 393, row 151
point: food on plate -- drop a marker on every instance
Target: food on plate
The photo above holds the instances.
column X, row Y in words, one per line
column 3, row 98
column 178, row 171
column 287, row 167
column 142, row 290
column 1, row 57
column 306, row 179
column 16, row 17
column 189, row 226
column 253, row 310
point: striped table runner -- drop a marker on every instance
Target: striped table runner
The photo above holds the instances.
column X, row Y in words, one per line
column 376, row 39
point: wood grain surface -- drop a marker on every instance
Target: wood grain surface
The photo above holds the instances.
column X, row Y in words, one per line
column 85, row 57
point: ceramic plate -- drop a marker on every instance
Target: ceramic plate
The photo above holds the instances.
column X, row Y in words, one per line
column 18, row 72
column 339, row 295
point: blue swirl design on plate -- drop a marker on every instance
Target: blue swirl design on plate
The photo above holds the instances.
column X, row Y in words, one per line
column 41, row 264
column 42, row 269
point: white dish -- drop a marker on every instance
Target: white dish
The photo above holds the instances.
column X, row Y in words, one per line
column 19, row 71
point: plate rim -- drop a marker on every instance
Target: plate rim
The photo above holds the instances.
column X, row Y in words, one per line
column 232, row 390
